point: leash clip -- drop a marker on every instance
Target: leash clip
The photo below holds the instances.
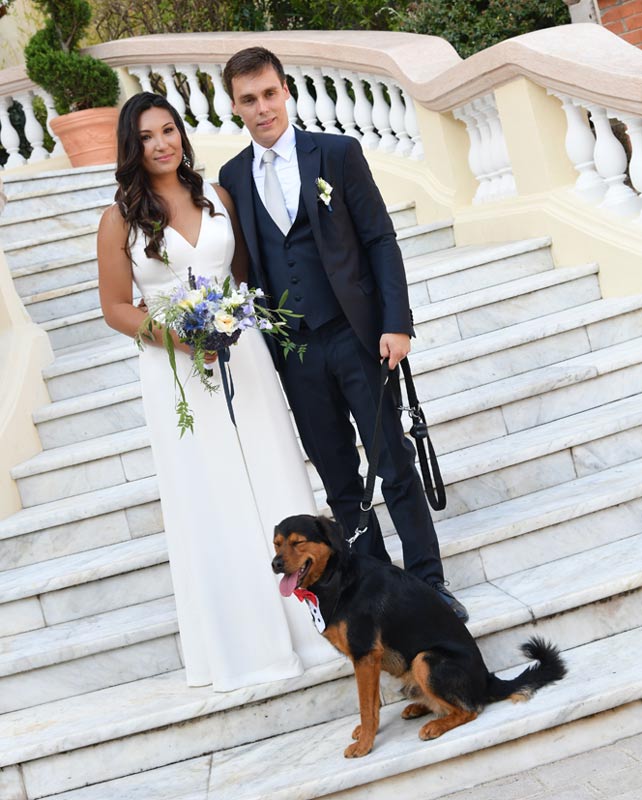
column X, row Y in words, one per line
column 357, row 534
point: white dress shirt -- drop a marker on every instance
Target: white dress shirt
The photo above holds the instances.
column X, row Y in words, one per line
column 287, row 169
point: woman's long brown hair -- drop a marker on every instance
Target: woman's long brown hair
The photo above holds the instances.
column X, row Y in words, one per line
column 140, row 206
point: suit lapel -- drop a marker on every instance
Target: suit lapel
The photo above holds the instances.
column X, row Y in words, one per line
column 245, row 204
column 309, row 158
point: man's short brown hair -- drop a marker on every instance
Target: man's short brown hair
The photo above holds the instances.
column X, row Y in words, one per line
column 249, row 61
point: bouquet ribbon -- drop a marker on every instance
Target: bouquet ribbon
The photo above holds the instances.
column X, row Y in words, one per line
column 226, row 380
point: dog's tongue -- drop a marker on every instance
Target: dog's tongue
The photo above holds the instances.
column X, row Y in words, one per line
column 288, row 584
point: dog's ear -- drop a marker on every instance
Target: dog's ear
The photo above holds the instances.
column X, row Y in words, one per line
column 332, row 532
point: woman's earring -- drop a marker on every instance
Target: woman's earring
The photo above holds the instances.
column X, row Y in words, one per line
column 186, row 160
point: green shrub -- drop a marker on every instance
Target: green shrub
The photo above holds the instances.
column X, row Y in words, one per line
column 75, row 81
column 472, row 25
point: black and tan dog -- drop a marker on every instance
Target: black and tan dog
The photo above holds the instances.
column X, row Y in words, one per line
column 383, row 618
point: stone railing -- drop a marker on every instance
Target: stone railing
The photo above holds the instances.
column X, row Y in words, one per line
column 24, row 143
column 370, row 107
column 373, row 85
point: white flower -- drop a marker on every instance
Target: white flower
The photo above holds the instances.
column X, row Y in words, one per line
column 191, row 299
column 236, row 298
column 324, row 191
column 224, row 322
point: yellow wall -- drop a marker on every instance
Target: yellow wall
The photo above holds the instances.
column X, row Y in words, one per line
column 16, row 28
column 24, row 352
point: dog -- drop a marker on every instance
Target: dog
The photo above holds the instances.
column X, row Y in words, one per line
column 384, row 618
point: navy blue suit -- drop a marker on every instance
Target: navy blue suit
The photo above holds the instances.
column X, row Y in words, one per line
column 344, row 272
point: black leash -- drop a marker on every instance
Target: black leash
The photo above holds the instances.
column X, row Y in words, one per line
column 430, row 472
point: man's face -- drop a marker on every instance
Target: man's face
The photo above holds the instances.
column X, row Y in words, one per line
column 259, row 99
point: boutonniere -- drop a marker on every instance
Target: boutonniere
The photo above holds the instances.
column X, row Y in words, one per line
column 324, row 190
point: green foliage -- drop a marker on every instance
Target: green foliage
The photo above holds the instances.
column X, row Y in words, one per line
column 74, row 81
column 472, row 25
column 116, row 19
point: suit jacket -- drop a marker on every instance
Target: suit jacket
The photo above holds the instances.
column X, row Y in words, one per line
column 355, row 239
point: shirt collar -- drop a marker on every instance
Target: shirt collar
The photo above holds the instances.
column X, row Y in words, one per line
column 283, row 147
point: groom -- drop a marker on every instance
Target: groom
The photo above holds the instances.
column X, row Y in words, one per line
column 334, row 249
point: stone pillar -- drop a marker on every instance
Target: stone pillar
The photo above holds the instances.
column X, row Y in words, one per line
column 583, row 10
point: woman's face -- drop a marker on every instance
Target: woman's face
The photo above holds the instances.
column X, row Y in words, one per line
column 162, row 145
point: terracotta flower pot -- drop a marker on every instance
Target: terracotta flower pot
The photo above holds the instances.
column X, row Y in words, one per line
column 89, row 137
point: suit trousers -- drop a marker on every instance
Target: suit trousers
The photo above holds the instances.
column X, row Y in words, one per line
column 338, row 377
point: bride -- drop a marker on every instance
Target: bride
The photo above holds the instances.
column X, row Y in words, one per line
column 222, row 489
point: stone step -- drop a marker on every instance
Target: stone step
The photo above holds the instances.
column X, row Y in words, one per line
column 53, row 181
column 35, row 203
column 78, row 329
column 189, row 780
column 530, row 460
column 55, row 273
column 88, row 654
column 241, row 774
column 416, row 240
column 123, row 456
column 80, row 522
column 56, row 303
column 77, row 244
column 47, row 223
column 403, row 215
column 519, row 348
column 476, row 547
column 104, row 364
column 503, row 407
column 58, row 422
column 462, row 269
column 155, row 721
column 502, row 305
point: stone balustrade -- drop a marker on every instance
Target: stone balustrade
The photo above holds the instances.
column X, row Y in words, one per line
column 377, row 87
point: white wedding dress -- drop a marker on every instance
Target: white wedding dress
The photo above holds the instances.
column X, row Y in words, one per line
column 223, row 489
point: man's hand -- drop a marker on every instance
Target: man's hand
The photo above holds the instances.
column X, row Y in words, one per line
column 395, row 347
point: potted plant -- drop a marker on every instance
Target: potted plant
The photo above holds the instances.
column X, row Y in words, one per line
column 84, row 89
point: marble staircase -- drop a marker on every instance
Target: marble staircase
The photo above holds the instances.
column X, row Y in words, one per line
column 531, row 386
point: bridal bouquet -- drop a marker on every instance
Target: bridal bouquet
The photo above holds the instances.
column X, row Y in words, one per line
column 210, row 316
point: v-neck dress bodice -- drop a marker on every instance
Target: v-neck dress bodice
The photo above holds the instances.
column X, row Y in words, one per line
column 222, row 490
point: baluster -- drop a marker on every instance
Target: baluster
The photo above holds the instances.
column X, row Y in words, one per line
column 222, row 102
column 143, row 76
column 9, row 137
column 610, row 162
column 362, row 112
column 412, row 127
column 475, row 160
column 325, row 108
column 33, row 129
column 174, row 97
column 499, row 152
column 305, row 105
column 198, row 102
column 47, row 99
column 479, row 112
column 580, row 146
column 398, row 119
column 344, row 106
column 381, row 115
column 634, row 130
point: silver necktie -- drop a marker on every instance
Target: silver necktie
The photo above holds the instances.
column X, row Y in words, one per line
column 274, row 199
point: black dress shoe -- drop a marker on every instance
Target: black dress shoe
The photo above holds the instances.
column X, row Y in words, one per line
column 451, row 600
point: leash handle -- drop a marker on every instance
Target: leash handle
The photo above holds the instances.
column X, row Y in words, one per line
column 430, row 472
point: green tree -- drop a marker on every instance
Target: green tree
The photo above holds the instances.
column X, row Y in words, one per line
column 472, row 25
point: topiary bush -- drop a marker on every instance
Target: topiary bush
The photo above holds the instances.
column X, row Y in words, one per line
column 53, row 60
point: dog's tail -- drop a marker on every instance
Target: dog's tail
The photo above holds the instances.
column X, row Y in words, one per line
column 550, row 668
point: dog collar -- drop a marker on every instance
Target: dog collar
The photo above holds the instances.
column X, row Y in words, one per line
column 312, row 602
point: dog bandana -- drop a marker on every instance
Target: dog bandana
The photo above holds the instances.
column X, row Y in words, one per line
column 312, row 602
